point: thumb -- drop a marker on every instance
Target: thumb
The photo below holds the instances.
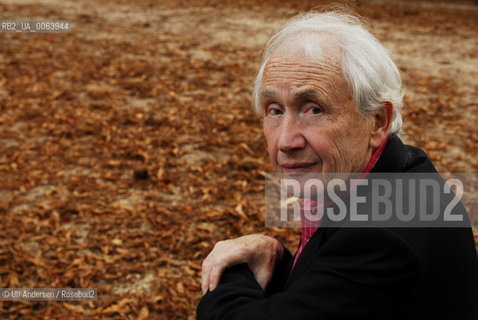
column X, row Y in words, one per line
column 262, row 275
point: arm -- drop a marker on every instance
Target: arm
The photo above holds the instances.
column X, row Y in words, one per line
column 357, row 273
column 261, row 254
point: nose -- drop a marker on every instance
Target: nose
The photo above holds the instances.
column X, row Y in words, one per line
column 290, row 135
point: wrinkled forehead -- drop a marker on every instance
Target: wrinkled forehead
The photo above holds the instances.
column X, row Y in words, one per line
column 306, row 60
column 322, row 48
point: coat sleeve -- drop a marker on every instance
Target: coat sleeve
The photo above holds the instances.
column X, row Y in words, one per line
column 358, row 273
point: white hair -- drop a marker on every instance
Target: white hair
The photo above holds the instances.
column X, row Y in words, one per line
column 366, row 64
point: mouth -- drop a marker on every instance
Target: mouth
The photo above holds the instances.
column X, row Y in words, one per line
column 296, row 167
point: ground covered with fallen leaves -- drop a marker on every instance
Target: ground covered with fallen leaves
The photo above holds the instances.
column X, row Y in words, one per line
column 128, row 147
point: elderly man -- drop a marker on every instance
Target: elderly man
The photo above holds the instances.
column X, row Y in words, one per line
column 330, row 97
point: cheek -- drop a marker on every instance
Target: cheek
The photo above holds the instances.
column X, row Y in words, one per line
column 356, row 145
column 324, row 143
column 270, row 140
column 360, row 138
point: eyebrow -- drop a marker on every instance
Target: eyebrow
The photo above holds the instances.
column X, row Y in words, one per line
column 305, row 94
column 267, row 94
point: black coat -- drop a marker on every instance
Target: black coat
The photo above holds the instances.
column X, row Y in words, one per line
column 358, row 273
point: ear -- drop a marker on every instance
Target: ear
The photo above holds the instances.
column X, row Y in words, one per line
column 382, row 121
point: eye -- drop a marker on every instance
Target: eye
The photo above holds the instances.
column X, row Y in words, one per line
column 274, row 109
column 314, row 110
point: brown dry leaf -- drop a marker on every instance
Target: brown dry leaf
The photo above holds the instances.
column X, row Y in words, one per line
column 238, row 209
column 74, row 307
column 117, row 307
column 180, row 287
column 143, row 313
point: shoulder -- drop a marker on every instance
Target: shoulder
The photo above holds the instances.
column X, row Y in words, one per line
column 399, row 157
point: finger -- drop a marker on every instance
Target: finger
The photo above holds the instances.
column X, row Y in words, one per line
column 206, row 269
column 225, row 253
column 219, row 266
column 204, row 281
column 207, row 265
column 263, row 276
column 215, row 275
column 263, row 267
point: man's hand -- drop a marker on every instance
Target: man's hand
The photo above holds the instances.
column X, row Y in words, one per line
column 260, row 252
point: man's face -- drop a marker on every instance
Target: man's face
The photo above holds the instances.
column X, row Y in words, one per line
column 311, row 123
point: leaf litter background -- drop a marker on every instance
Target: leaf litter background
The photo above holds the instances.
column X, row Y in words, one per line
column 128, row 147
